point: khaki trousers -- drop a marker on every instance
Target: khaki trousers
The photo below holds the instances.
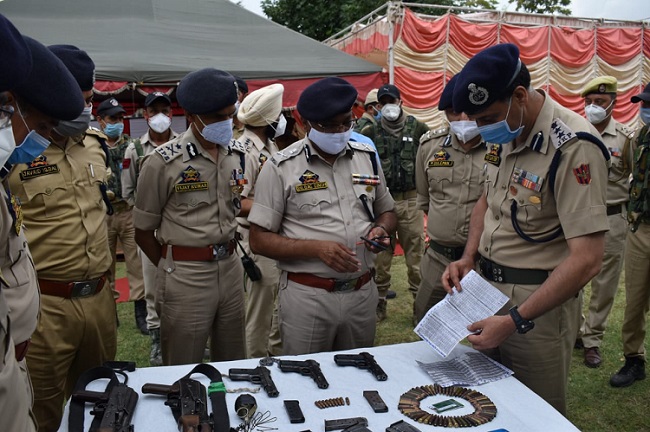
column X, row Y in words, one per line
column 120, row 225
column 314, row 320
column 72, row 336
column 431, row 290
column 196, row 300
column 541, row 358
column 605, row 284
column 149, row 278
column 16, row 400
column 410, row 231
column 637, row 290
column 262, row 330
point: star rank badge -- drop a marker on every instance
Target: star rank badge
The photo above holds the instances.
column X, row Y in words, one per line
column 441, row 159
column 309, row 182
column 190, row 181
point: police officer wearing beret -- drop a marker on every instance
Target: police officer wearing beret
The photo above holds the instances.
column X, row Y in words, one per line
column 637, row 254
column 600, row 99
column 185, row 223
column 158, row 113
column 64, row 218
column 449, row 177
column 538, row 232
column 313, row 202
column 261, row 115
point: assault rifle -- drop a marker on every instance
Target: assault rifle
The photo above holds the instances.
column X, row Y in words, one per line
column 113, row 408
column 310, row 368
column 260, row 375
column 362, row 360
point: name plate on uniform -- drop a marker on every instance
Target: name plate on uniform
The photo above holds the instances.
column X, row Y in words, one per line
column 191, row 187
column 311, row 186
column 37, row 172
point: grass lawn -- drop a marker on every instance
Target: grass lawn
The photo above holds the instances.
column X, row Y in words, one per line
column 594, row 406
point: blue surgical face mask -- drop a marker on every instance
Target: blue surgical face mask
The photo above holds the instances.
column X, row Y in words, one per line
column 219, row 133
column 500, row 132
column 644, row 113
column 32, row 146
column 378, row 114
column 114, row 130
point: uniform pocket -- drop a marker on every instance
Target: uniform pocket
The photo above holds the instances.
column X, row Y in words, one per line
column 440, row 179
column 194, row 207
column 46, row 192
column 311, row 205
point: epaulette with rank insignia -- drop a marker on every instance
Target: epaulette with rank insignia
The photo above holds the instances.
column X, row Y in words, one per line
column 94, row 131
column 237, row 146
column 431, row 134
column 629, row 133
column 561, row 133
column 293, row 150
column 169, row 151
column 361, row 146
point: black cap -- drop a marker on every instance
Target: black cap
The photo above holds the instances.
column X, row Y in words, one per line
column 388, row 89
column 78, row 63
column 645, row 96
column 326, row 98
column 50, row 87
column 110, row 107
column 447, row 93
column 206, row 91
column 152, row 97
column 243, row 87
column 485, row 78
column 15, row 55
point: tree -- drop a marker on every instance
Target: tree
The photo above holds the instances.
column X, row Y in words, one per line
column 321, row 19
column 543, row 6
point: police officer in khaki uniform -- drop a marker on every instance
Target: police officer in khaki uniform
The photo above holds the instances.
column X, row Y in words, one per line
column 371, row 114
column 313, row 202
column 64, row 219
column 27, row 68
column 637, row 255
column 449, row 176
column 538, row 232
column 158, row 113
column 397, row 137
column 261, row 114
column 185, row 223
column 242, row 92
column 600, row 100
column 110, row 116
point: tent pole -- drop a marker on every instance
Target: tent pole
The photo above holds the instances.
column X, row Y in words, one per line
column 392, row 16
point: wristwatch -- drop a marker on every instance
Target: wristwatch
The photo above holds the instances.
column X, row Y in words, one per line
column 523, row 325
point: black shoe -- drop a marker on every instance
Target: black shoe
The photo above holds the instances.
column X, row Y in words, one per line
column 578, row 344
column 633, row 370
column 141, row 316
column 390, row 294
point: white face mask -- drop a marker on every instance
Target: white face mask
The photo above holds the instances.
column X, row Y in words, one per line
column 159, row 123
column 596, row 114
column 390, row 112
column 464, row 130
column 281, row 127
column 7, row 144
column 330, row 143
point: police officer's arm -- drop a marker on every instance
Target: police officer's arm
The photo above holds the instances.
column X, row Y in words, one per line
column 458, row 269
column 147, row 241
column 421, row 180
column 128, row 174
column 583, row 263
column 251, row 170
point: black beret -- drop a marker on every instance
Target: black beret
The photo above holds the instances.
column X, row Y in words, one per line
column 15, row 55
column 326, row 98
column 388, row 89
column 50, row 87
column 485, row 78
column 78, row 63
column 243, row 87
column 110, row 107
column 206, row 91
column 152, row 97
column 447, row 93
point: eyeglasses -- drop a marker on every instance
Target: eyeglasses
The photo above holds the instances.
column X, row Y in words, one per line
column 337, row 127
column 6, row 111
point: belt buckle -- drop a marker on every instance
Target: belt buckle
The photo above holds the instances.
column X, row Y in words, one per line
column 220, row 251
column 449, row 253
column 345, row 285
column 84, row 288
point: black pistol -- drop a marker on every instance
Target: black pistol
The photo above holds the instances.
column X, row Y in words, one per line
column 260, row 376
column 362, row 360
column 309, row 368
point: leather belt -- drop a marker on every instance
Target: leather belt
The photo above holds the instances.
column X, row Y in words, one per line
column 614, row 209
column 215, row 252
column 72, row 290
column 450, row 252
column 502, row 274
column 21, row 349
column 330, row 285
column 121, row 206
column 398, row 196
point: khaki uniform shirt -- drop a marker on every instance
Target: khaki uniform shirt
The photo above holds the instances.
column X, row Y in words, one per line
column 130, row 168
column 449, row 181
column 577, row 204
column 190, row 198
column 63, row 209
column 300, row 196
column 257, row 153
column 21, row 292
column 618, row 140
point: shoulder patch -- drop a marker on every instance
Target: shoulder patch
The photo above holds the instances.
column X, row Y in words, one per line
column 361, row 146
column 292, row 151
column 168, row 151
column 434, row 134
column 561, row 133
column 237, row 146
column 628, row 132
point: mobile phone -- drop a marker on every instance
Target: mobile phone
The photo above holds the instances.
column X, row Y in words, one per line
column 374, row 243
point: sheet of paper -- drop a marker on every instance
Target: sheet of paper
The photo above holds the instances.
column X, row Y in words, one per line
column 469, row 369
column 445, row 324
